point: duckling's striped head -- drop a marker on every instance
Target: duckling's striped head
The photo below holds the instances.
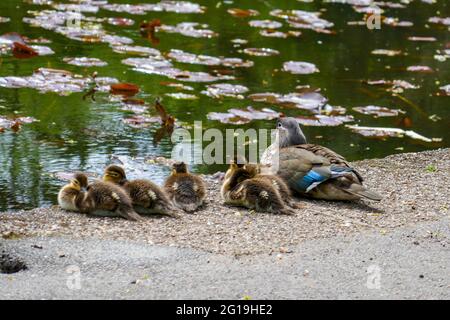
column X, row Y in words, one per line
column 114, row 174
column 79, row 181
column 180, row 167
column 289, row 132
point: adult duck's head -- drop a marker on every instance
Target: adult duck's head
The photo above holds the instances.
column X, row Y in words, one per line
column 289, row 132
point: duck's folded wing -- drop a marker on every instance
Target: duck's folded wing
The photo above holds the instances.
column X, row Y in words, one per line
column 330, row 155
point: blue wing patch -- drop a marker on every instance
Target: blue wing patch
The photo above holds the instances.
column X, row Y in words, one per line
column 310, row 178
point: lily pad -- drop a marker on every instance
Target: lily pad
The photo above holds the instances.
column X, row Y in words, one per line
column 321, row 120
column 438, row 20
column 163, row 67
column 379, row 132
column 297, row 67
column 386, row 52
column 85, row 62
column 422, row 39
column 261, row 52
column 303, row 19
column 225, row 90
column 182, row 96
column 265, row 24
column 166, row 5
column 242, row 116
column 189, row 29
column 185, row 57
column 422, row 69
column 120, row 22
column 53, row 80
column 378, row 111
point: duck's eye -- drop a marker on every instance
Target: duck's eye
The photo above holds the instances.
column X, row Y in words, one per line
column 279, row 125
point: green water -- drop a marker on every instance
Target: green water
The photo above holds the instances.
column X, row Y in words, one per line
column 76, row 134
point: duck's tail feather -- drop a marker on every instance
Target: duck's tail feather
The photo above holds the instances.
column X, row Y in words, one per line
column 128, row 213
column 361, row 191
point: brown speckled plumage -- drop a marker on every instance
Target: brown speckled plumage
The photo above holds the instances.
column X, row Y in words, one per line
column 240, row 189
column 146, row 196
column 186, row 190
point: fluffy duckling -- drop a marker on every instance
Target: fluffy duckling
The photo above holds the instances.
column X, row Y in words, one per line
column 100, row 198
column 186, row 190
column 147, row 197
column 241, row 189
column 278, row 183
column 71, row 196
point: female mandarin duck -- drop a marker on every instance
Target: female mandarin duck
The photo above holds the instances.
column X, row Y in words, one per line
column 312, row 170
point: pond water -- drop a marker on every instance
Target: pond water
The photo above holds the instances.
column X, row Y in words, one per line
column 344, row 60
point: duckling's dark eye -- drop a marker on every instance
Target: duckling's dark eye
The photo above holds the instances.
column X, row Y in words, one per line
column 279, row 124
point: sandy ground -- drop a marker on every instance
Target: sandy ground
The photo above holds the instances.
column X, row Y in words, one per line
column 395, row 249
column 415, row 188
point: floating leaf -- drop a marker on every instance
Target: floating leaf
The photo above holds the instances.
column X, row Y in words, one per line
column 265, row 24
column 296, row 67
column 386, row 52
column 85, row 62
column 422, row 69
column 126, row 89
column 182, row 96
column 166, row 5
column 239, row 116
column 120, row 21
column 185, row 57
column 225, row 90
column 23, row 51
column 242, row 13
column 387, row 132
column 422, row 39
column 323, row 120
column 239, row 41
column 445, row 89
column 304, row 20
column 279, row 34
column 301, row 100
column 54, row 80
column 14, row 124
column 179, row 86
column 378, row 111
column 438, row 20
column 189, row 29
column 137, row 50
column 161, row 66
column 261, row 52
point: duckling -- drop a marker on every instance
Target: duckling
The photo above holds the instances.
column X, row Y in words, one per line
column 241, row 189
column 186, row 190
column 100, row 198
column 278, row 183
column 71, row 196
column 147, row 197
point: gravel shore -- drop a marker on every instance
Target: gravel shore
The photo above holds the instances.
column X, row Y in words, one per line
column 415, row 188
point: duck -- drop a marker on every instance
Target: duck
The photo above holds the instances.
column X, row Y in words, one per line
column 147, row 197
column 277, row 182
column 312, row 170
column 186, row 190
column 241, row 189
column 98, row 198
